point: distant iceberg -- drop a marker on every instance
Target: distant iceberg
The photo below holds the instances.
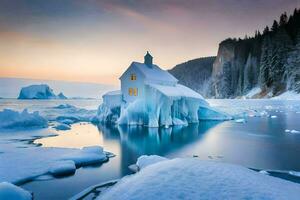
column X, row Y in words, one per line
column 42, row 91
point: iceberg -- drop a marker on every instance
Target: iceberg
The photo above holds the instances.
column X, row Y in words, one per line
column 166, row 106
column 10, row 119
column 42, row 91
column 192, row 178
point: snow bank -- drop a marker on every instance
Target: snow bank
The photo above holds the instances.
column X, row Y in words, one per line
column 32, row 162
column 10, row 119
column 144, row 161
column 9, row 191
column 288, row 95
column 191, row 178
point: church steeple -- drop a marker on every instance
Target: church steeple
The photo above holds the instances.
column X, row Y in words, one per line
column 148, row 60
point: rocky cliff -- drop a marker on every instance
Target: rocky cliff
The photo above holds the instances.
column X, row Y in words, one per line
column 269, row 61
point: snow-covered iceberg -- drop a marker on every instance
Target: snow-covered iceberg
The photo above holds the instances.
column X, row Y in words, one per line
column 166, row 106
column 152, row 97
column 42, row 91
column 192, row 178
column 10, row 119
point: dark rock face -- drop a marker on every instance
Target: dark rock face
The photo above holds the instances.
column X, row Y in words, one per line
column 195, row 74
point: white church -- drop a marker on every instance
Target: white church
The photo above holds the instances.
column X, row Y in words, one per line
column 152, row 97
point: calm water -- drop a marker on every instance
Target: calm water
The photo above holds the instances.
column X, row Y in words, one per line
column 260, row 143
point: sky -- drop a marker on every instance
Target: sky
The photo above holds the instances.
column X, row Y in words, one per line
column 96, row 40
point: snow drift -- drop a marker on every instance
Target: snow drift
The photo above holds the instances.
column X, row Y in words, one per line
column 191, row 178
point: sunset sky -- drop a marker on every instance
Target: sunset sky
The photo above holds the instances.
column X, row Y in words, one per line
column 96, row 40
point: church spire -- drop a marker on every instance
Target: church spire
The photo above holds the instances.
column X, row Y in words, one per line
column 148, row 59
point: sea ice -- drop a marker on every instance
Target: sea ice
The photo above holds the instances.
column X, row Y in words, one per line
column 10, row 119
column 144, row 161
column 63, row 167
column 192, row 178
column 273, row 116
column 9, row 191
column 32, row 162
column 62, row 126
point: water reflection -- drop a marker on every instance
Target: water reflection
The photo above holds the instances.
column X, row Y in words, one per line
column 135, row 141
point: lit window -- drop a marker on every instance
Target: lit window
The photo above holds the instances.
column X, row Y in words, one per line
column 130, row 91
column 135, row 91
column 133, row 77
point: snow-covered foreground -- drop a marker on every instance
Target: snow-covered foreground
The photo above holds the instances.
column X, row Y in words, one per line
column 192, row 178
column 11, row 192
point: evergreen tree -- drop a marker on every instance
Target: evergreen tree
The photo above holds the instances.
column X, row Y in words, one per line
column 283, row 20
column 265, row 63
column 275, row 26
column 281, row 46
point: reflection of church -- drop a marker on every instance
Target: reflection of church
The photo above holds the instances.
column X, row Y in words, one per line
column 135, row 141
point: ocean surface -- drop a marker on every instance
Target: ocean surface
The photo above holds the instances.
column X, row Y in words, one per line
column 262, row 142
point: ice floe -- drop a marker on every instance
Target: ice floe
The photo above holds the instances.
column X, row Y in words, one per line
column 29, row 163
column 10, row 119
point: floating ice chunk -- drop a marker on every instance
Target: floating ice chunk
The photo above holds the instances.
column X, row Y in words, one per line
column 192, row 178
column 240, row 121
column 294, row 173
column 62, row 168
column 63, row 106
column 287, row 130
column 295, row 131
column 144, row 161
column 10, row 119
column 87, row 156
column 9, row 191
column 62, row 127
column 273, row 116
column 264, row 172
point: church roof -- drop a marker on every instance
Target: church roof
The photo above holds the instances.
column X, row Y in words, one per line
column 154, row 73
column 176, row 91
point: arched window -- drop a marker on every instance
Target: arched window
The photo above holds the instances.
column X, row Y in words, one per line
column 133, row 77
